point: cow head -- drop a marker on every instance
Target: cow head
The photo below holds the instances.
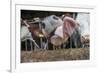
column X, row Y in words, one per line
column 51, row 22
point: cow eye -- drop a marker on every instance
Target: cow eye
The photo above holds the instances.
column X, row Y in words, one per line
column 55, row 17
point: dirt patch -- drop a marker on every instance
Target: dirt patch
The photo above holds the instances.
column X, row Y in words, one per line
column 55, row 55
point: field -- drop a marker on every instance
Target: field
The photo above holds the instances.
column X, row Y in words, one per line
column 55, row 55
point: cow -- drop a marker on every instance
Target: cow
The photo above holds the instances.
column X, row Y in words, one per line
column 26, row 34
column 53, row 31
column 83, row 19
column 51, row 23
column 37, row 29
column 60, row 31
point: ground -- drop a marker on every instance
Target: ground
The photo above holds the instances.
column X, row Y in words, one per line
column 55, row 55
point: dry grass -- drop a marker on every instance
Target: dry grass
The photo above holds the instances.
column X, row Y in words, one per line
column 55, row 55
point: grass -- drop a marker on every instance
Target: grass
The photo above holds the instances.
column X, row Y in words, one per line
column 55, row 55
